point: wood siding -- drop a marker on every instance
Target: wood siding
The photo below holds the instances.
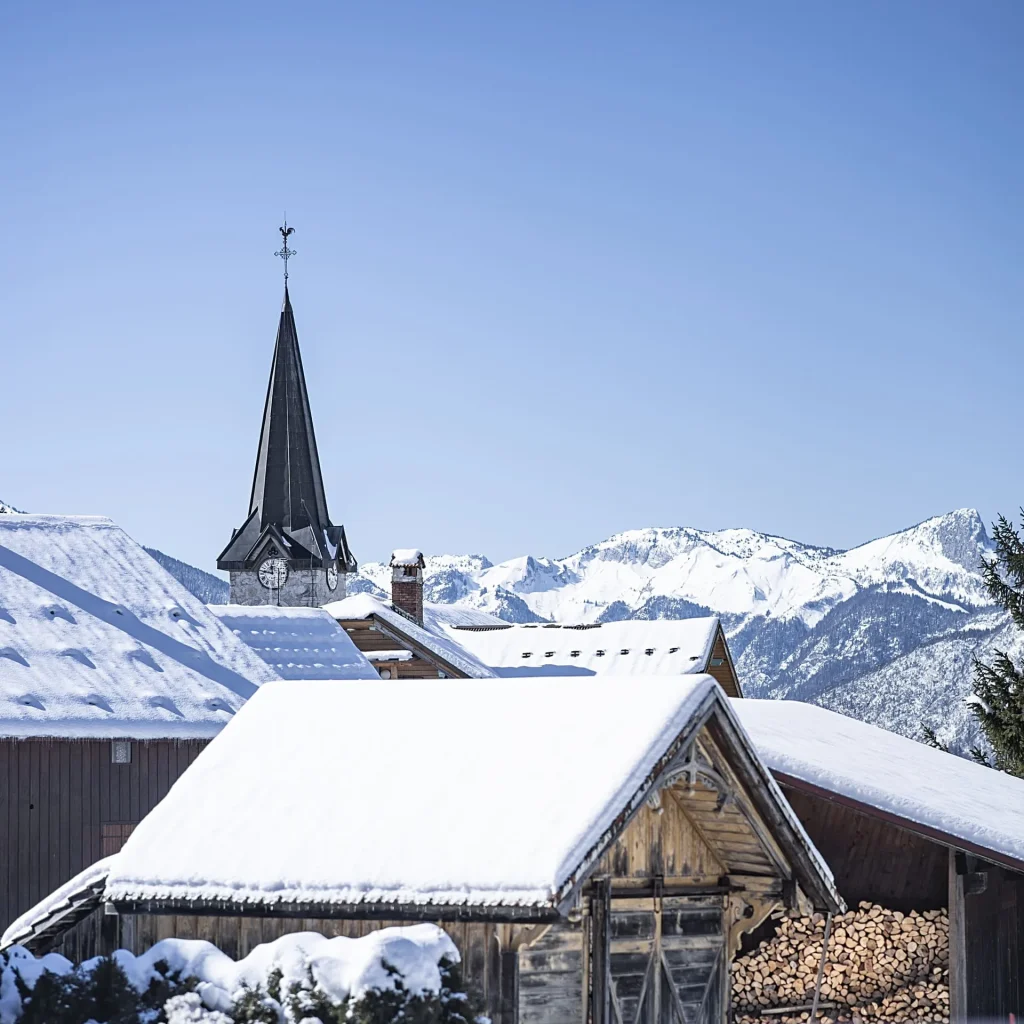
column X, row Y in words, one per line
column 720, row 666
column 664, row 844
column 551, row 978
column 873, row 859
column 63, row 805
column 368, row 636
column 994, row 944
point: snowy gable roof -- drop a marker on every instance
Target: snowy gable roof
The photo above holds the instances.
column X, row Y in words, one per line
column 98, row 640
column 632, row 647
column 435, row 641
column 297, row 643
column 939, row 795
column 355, row 823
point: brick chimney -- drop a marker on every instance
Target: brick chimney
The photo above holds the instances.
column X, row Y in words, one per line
column 407, row 582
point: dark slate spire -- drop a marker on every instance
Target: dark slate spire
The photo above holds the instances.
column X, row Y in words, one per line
column 287, row 506
column 287, row 488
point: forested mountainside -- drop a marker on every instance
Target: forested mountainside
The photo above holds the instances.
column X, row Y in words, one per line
column 208, row 588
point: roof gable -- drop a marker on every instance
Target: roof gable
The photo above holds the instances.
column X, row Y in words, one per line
column 434, row 643
column 97, row 639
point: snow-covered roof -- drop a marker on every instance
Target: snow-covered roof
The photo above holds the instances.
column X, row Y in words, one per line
column 297, row 643
column 435, row 641
column 633, row 647
column 945, row 797
column 407, row 556
column 72, row 901
column 98, row 640
column 409, row 825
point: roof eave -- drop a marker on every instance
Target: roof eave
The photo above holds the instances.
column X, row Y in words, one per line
column 924, row 831
column 367, row 911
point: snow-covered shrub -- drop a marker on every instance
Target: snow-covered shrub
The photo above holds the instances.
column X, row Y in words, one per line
column 407, row 974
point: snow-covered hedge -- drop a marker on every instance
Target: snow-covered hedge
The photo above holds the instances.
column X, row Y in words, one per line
column 305, row 978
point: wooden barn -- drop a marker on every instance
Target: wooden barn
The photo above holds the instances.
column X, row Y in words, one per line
column 594, row 857
column 911, row 828
column 112, row 679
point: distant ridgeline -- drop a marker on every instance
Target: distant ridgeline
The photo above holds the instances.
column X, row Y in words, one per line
column 885, row 632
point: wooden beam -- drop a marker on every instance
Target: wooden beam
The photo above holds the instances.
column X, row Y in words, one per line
column 957, row 945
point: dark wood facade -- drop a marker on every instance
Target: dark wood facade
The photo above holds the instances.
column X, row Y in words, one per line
column 64, row 804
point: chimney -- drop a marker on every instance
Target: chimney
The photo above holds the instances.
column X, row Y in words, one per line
column 407, row 582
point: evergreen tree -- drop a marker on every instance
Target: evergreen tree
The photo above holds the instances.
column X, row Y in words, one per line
column 999, row 687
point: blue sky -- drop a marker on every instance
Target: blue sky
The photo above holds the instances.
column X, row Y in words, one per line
column 564, row 269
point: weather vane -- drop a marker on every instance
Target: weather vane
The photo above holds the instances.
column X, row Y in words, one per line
column 284, row 252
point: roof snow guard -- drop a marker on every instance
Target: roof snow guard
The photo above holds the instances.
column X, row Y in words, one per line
column 99, row 641
column 287, row 506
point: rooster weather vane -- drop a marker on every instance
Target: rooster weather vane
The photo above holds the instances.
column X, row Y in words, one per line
column 284, row 252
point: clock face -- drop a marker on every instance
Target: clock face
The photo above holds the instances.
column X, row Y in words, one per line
column 273, row 573
column 332, row 576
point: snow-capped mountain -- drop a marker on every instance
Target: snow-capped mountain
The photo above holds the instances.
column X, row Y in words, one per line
column 885, row 631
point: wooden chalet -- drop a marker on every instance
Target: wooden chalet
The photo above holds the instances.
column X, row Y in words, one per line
column 912, row 828
column 113, row 677
column 603, row 868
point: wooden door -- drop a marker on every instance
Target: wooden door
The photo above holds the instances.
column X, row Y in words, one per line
column 665, row 961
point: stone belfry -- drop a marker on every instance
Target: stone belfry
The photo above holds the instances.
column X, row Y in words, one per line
column 287, row 552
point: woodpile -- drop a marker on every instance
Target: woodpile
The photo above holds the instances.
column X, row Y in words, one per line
column 881, row 966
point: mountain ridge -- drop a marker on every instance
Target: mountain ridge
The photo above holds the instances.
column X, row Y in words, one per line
column 908, row 610
column 886, row 631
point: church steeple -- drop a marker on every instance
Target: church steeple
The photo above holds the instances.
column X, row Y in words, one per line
column 287, row 487
column 287, row 545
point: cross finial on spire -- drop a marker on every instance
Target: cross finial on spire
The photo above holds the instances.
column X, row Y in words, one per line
column 284, row 252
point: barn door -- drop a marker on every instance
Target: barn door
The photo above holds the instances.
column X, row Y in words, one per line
column 666, row 961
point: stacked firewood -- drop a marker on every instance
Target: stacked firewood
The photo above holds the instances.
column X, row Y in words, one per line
column 882, row 965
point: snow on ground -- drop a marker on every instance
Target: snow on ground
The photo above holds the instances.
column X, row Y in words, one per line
column 894, row 774
column 489, row 829
column 363, row 606
column 633, row 647
column 98, row 640
column 297, row 643
column 341, row 967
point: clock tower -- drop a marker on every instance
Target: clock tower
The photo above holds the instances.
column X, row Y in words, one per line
column 287, row 552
